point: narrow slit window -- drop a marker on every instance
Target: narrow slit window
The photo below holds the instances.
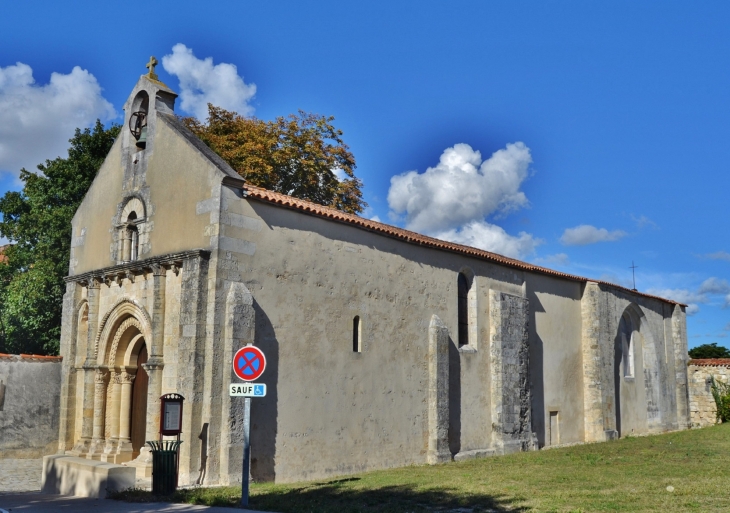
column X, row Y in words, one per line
column 356, row 338
column 463, row 308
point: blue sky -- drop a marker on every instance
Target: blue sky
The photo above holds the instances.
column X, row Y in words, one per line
column 577, row 135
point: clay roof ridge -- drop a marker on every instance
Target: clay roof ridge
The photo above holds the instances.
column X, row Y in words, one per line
column 710, row 362
column 414, row 237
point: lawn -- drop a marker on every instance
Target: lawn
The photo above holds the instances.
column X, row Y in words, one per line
column 631, row 475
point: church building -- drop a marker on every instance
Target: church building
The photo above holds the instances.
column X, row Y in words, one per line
column 384, row 347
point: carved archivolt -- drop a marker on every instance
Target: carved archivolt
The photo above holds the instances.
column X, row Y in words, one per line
column 125, row 307
column 126, row 324
column 135, row 205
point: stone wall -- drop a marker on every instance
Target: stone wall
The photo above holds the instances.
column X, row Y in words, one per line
column 29, row 405
column 703, row 411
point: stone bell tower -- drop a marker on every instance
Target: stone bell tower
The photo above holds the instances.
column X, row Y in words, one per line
column 131, row 228
column 148, row 97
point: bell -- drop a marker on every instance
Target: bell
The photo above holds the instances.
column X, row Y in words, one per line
column 142, row 141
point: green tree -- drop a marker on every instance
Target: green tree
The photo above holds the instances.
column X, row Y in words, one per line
column 37, row 222
column 709, row 351
column 296, row 155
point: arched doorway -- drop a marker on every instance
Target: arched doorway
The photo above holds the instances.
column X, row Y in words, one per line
column 125, row 399
column 629, row 401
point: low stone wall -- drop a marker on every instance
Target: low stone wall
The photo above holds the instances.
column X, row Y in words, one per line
column 30, row 392
column 703, row 411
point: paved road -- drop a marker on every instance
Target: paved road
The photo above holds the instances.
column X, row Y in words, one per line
column 20, row 475
column 36, row 502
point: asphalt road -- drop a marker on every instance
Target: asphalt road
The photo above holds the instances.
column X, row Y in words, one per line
column 36, row 502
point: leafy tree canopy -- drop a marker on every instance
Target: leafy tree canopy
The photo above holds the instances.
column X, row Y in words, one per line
column 709, row 351
column 37, row 222
column 297, row 155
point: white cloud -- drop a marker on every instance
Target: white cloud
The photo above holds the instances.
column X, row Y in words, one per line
column 38, row 120
column 644, row 222
column 704, row 294
column 202, row 82
column 719, row 255
column 587, row 234
column 461, row 188
column 714, row 286
column 556, row 259
column 490, row 237
column 453, row 199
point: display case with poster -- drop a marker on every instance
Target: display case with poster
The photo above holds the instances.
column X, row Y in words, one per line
column 171, row 414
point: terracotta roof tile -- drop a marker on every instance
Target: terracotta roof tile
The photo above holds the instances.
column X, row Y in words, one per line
column 710, row 362
column 30, row 357
column 258, row 193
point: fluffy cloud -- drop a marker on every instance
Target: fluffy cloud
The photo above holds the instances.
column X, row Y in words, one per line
column 38, row 120
column 202, row 82
column 707, row 292
column 714, row 286
column 452, row 199
column 490, row 237
column 587, row 234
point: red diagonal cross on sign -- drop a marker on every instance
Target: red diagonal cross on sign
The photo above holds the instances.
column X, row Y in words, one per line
column 249, row 363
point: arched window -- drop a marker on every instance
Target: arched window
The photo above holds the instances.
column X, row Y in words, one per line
column 627, row 346
column 463, row 292
column 130, row 247
column 356, row 335
column 467, row 309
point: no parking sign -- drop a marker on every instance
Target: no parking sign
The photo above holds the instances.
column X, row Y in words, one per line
column 249, row 363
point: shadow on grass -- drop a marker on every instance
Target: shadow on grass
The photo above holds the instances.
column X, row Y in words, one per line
column 339, row 496
column 333, row 498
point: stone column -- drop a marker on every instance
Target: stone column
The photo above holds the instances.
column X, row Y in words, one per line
column 155, row 363
column 679, row 337
column 508, row 360
column 122, row 447
column 593, row 427
column 438, row 392
column 101, row 380
column 89, row 367
column 113, row 408
column 125, row 408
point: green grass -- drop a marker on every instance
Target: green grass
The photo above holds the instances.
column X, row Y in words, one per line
column 630, row 475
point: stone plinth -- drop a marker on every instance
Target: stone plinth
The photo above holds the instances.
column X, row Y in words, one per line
column 68, row 475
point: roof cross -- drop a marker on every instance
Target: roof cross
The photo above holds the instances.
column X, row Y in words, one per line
column 151, row 66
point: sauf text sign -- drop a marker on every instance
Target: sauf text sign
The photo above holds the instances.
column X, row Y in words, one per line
column 247, row 390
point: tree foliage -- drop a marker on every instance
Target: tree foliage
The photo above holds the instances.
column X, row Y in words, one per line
column 37, row 222
column 709, row 351
column 295, row 155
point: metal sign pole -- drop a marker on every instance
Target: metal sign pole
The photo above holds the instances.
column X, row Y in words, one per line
column 246, row 472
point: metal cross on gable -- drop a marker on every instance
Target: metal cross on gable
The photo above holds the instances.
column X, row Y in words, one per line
column 633, row 272
column 151, row 66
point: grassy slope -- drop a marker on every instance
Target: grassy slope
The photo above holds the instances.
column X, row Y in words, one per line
column 629, row 475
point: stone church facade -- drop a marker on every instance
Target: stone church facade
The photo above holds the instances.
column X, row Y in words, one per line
column 384, row 347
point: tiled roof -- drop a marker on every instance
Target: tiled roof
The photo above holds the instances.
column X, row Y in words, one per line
column 30, row 357
column 711, row 362
column 308, row 207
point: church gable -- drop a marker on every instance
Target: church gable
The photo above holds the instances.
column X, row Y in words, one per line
column 158, row 182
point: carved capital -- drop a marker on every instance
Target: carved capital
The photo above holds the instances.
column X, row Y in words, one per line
column 126, row 378
column 101, row 376
column 94, row 283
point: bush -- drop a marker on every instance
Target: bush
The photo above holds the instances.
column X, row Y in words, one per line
column 721, row 393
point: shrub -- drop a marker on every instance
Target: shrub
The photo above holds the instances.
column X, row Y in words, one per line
column 721, row 393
